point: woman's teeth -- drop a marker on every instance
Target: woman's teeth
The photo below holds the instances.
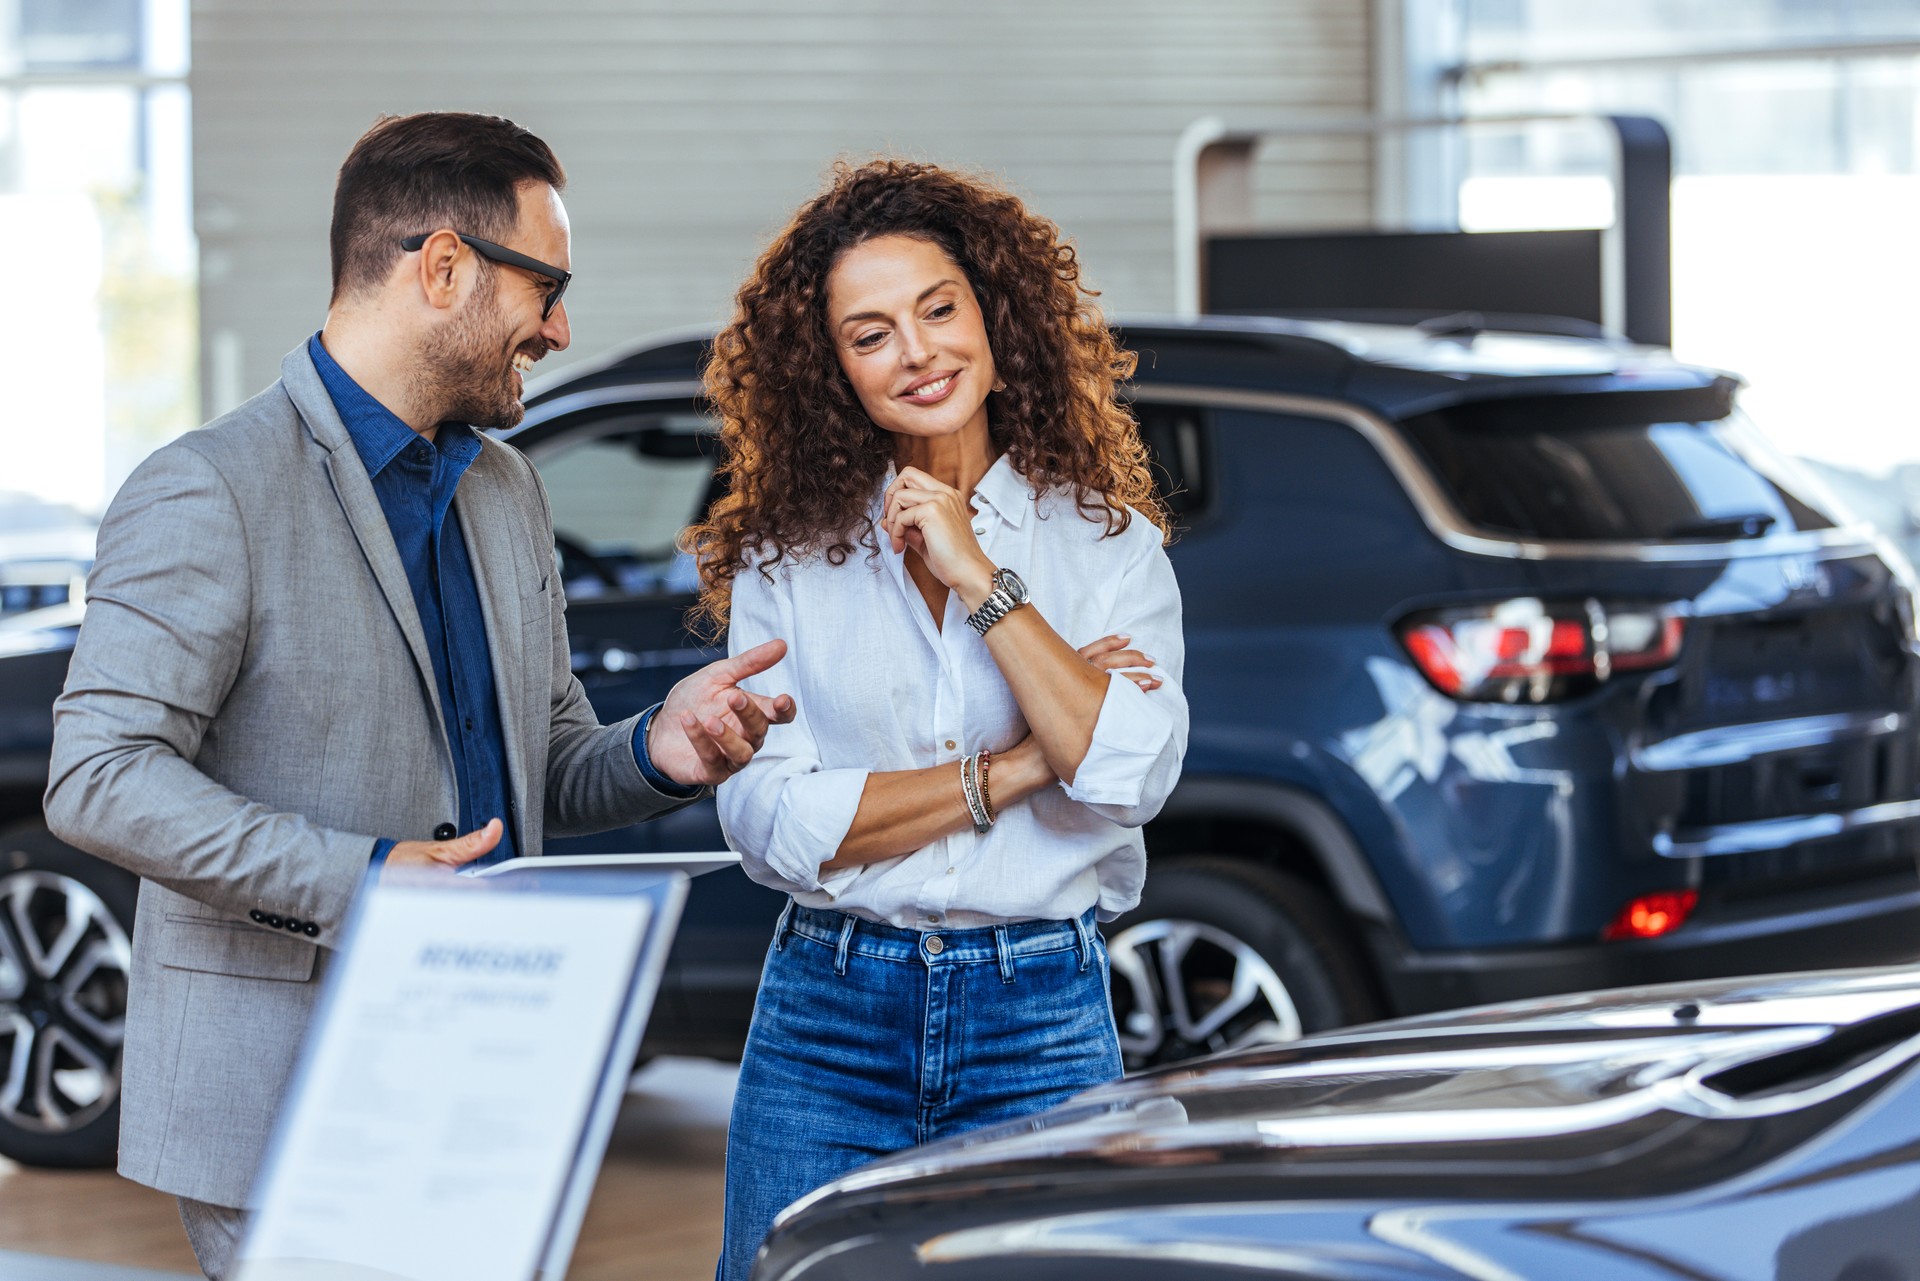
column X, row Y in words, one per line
column 931, row 389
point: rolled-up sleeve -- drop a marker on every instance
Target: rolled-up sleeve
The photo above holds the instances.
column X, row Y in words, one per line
column 1140, row 737
column 786, row 813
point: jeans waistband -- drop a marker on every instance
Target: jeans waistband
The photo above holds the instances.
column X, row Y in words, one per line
column 998, row 944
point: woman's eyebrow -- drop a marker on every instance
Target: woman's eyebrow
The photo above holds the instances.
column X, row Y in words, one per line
column 925, row 294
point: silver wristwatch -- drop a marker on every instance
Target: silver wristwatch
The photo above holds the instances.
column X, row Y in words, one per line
column 1008, row 594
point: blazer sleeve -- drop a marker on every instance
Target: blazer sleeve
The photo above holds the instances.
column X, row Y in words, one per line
column 165, row 634
column 593, row 779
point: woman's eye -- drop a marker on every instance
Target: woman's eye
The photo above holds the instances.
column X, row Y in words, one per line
column 941, row 312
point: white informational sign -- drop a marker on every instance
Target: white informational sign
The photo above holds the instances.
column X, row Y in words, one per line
column 456, row 1092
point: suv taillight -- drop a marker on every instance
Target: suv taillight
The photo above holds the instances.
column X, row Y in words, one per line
column 1530, row 651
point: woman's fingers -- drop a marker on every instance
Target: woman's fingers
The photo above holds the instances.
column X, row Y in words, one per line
column 1105, row 645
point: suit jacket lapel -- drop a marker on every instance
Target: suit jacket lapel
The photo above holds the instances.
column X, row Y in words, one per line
column 490, row 548
column 362, row 508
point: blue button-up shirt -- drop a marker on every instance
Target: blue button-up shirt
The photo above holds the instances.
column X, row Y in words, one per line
column 415, row 479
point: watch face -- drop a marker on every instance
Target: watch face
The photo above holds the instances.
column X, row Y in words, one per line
column 1009, row 582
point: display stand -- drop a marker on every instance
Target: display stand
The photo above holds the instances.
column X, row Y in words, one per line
column 463, row 1071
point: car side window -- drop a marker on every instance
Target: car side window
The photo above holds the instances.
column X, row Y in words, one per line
column 1176, row 440
column 622, row 489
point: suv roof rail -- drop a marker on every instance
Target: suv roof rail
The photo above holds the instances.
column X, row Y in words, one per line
column 1449, row 324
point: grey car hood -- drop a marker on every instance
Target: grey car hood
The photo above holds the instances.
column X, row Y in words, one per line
column 1558, row 1091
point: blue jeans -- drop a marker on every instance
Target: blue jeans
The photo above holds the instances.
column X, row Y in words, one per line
column 868, row 1039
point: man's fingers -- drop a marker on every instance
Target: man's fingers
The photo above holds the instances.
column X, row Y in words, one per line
column 712, row 759
column 737, row 750
column 777, row 710
column 750, row 662
column 465, row 849
column 749, row 716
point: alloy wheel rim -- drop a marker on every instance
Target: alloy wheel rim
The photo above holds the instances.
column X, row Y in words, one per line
column 1185, row 988
column 64, row 961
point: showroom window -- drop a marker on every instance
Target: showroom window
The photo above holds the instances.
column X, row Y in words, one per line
column 1796, row 134
column 98, row 341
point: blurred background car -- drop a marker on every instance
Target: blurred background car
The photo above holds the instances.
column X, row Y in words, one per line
column 45, row 551
column 1750, row 1130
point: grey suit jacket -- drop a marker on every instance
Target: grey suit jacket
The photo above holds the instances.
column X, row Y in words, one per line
column 250, row 706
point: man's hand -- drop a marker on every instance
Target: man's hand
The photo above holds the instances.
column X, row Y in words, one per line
column 710, row 727
column 448, row 856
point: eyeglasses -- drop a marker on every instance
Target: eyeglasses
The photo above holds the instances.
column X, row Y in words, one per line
column 500, row 253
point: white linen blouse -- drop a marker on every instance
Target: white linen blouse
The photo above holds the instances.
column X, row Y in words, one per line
column 879, row 687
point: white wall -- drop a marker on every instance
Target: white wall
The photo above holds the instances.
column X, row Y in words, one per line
column 690, row 129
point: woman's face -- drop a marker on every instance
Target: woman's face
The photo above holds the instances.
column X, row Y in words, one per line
column 910, row 337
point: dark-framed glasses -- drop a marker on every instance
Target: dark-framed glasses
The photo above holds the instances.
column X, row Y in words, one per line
column 502, row 254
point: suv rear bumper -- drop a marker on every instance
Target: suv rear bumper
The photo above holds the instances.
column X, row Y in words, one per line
column 1880, row 928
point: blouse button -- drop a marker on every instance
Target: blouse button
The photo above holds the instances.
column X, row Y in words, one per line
column 980, row 531
column 950, row 745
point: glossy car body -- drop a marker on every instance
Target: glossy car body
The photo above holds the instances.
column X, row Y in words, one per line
column 1749, row 1130
column 1347, row 840
column 1472, row 850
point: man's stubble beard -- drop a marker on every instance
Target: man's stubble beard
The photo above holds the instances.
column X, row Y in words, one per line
column 466, row 369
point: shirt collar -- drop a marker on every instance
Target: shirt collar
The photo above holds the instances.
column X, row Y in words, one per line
column 378, row 434
column 1005, row 491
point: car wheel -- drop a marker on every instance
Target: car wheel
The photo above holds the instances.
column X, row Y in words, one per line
column 66, row 922
column 1222, row 954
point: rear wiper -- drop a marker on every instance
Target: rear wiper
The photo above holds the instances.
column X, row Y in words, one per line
column 1744, row 525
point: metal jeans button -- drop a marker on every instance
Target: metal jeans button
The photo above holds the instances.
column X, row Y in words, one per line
column 934, row 945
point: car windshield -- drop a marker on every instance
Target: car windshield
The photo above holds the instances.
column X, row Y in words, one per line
column 1586, row 470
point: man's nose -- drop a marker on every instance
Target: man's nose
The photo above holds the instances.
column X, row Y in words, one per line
column 556, row 332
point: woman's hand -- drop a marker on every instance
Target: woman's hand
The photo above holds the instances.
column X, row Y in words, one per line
column 937, row 522
column 1111, row 652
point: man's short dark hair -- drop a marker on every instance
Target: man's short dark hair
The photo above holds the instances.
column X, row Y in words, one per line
column 419, row 173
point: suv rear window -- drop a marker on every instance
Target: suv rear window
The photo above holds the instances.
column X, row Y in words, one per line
column 1633, row 466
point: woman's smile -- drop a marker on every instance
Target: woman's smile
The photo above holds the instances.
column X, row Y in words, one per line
column 931, row 390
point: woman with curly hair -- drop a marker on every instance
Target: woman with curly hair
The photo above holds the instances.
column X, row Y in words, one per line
column 936, row 497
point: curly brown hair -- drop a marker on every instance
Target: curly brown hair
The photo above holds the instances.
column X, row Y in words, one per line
column 802, row 459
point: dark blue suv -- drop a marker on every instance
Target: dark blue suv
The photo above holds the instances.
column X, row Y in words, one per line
column 1518, row 664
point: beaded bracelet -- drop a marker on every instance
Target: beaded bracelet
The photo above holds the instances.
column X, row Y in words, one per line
column 970, row 784
column 986, row 795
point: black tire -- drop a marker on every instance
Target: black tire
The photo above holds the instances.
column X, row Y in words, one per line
column 66, row 929
column 1260, row 952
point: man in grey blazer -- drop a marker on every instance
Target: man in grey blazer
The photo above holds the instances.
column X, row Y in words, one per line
column 326, row 631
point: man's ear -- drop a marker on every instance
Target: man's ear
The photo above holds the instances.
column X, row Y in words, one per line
column 436, row 269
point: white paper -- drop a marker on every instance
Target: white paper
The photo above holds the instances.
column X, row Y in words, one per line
column 692, row 864
column 435, row 1128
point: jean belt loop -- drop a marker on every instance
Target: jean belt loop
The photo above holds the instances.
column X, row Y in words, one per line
column 1004, row 950
column 1083, row 925
column 846, row 941
column 781, row 926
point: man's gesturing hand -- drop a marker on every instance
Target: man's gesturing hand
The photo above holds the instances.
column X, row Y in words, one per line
column 710, row 727
column 450, row 855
